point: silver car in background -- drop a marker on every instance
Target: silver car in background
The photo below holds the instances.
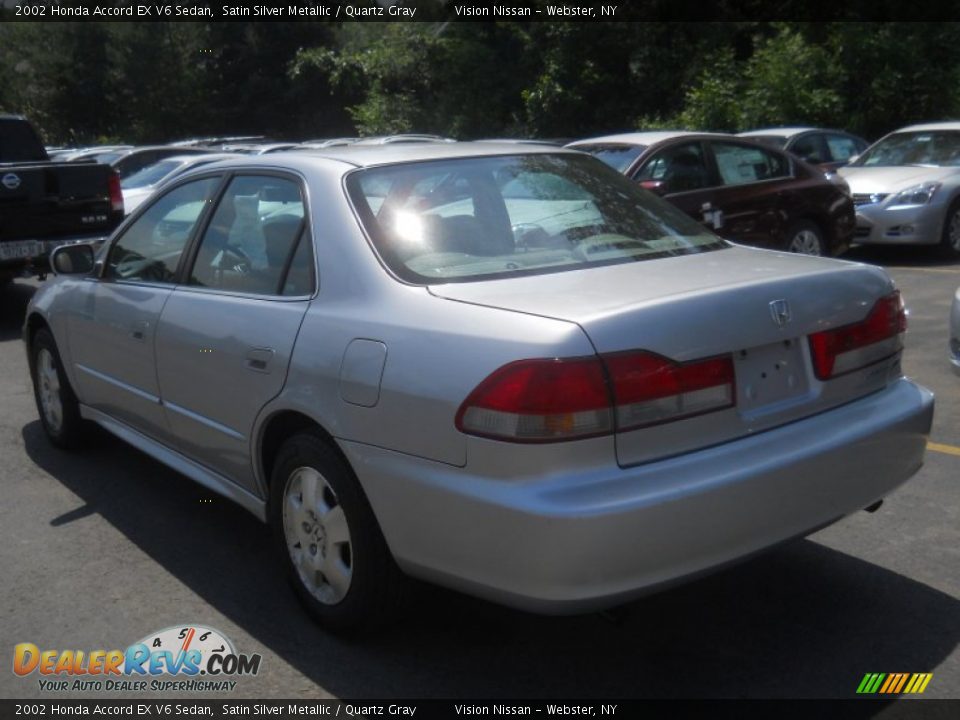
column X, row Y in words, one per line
column 506, row 369
column 906, row 187
column 138, row 187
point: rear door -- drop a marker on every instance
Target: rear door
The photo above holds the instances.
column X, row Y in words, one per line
column 754, row 194
column 226, row 334
column 112, row 334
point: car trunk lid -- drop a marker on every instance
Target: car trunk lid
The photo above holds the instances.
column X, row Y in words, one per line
column 757, row 307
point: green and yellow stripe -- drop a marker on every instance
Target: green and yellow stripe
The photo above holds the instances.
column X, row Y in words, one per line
column 894, row 683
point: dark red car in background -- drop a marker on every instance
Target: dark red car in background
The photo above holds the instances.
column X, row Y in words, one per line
column 746, row 192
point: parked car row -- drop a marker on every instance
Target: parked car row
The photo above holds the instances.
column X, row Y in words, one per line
column 802, row 189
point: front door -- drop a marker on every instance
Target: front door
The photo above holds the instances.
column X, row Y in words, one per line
column 112, row 332
column 681, row 174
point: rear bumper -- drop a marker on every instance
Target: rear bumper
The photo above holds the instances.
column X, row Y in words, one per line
column 592, row 539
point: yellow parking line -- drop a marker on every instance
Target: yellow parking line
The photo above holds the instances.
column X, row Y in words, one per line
column 947, row 270
column 948, row 449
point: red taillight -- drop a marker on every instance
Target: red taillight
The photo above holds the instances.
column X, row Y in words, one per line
column 851, row 347
column 116, row 194
column 562, row 399
column 540, row 401
column 649, row 389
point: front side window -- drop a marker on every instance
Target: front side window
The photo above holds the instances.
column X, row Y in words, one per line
column 150, row 249
column 680, row 168
column 478, row 218
column 741, row 164
column 251, row 241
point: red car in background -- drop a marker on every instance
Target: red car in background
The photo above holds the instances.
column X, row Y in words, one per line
column 745, row 191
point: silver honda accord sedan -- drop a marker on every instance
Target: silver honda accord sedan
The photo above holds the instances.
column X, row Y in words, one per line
column 501, row 368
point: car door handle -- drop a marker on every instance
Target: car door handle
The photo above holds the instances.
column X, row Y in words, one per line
column 139, row 330
column 258, row 359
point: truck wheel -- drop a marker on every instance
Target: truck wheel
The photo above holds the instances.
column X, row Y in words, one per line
column 56, row 402
column 329, row 540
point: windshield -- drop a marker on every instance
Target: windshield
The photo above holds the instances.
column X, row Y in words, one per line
column 151, row 174
column 479, row 218
column 936, row 148
column 619, row 157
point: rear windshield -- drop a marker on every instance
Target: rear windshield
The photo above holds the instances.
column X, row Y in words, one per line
column 480, row 218
column 617, row 156
column 936, row 147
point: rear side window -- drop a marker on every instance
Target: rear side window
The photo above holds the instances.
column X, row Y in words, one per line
column 741, row 164
column 252, row 240
column 150, row 249
column 478, row 218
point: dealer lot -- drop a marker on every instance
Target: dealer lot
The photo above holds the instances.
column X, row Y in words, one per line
column 101, row 548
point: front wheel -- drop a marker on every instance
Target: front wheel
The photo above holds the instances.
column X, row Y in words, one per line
column 805, row 238
column 58, row 406
column 331, row 544
column 950, row 242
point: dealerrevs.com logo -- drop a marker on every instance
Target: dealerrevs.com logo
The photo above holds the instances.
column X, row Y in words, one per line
column 184, row 658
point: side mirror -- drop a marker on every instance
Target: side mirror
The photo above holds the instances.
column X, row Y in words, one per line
column 72, row 259
column 655, row 186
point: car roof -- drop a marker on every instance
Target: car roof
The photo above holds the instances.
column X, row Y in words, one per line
column 642, row 138
column 372, row 155
column 787, row 132
column 954, row 125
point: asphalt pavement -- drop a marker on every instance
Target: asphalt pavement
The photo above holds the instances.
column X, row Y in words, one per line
column 105, row 547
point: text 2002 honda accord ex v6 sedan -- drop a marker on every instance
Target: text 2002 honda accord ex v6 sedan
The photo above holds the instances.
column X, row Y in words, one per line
column 504, row 369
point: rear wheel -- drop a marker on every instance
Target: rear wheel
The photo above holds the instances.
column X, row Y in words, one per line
column 805, row 238
column 56, row 403
column 331, row 544
column 950, row 242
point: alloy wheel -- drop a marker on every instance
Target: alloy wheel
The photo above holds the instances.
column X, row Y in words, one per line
column 317, row 536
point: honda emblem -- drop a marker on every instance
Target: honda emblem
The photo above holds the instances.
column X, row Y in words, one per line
column 780, row 312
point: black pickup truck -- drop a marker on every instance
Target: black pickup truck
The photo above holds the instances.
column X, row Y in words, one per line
column 44, row 204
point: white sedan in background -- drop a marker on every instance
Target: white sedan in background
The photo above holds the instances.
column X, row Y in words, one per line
column 139, row 186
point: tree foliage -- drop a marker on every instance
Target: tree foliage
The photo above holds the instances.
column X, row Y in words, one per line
column 83, row 82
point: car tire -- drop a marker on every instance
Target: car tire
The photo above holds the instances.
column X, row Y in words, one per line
column 332, row 548
column 950, row 241
column 56, row 402
column 805, row 238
